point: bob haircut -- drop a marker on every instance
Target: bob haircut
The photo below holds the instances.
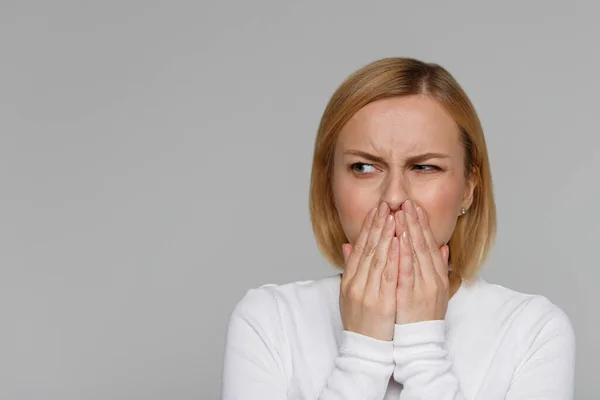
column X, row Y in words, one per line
column 475, row 231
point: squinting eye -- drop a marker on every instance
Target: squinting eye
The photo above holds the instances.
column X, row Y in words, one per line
column 426, row 168
column 360, row 168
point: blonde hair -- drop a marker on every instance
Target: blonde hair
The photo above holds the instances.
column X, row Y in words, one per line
column 390, row 77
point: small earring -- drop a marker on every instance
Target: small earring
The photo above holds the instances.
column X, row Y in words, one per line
column 463, row 211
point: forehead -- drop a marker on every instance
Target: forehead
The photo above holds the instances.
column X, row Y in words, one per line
column 402, row 125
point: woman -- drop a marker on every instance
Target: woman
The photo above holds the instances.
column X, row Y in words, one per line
column 401, row 200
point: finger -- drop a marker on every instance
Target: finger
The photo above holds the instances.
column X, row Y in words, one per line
column 423, row 265
column 365, row 263
column 359, row 245
column 380, row 258
column 400, row 223
column 406, row 276
column 400, row 229
column 446, row 254
column 346, row 249
column 436, row 255
column 389, row 280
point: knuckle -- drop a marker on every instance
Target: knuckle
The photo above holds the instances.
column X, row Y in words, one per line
column 378, row 263
column 369, row 302
column 378, row 222
column 354, row 293
column 433, row 249
column 369, row 249
column 421, row 247
column 415, row 258
column 358, row 249
column 388, row 275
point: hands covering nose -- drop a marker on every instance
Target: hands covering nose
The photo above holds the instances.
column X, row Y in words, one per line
column 391, row 280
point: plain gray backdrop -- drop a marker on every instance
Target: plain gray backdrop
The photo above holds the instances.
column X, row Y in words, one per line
column 155, row 159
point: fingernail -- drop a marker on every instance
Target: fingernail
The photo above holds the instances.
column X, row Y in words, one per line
column 346, row 250
column 401, row 217
column 408, row 205
column 444, row 251
column 383, row 209
column 371, row 215
column 389, row 222
column 420, row 214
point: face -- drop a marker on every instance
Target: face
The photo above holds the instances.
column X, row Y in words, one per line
column 400, row 148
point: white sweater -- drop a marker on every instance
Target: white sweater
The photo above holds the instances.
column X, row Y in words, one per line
column 287, row 342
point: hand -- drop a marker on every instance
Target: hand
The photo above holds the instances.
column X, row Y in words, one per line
column 368, row 285
column 423, row 288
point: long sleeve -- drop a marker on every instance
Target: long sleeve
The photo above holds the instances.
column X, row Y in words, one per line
column 541, row 342
column 422, row 363
column 362, row 369
column 257, row 364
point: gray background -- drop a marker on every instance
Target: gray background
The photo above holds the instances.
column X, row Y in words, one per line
column 155, row 160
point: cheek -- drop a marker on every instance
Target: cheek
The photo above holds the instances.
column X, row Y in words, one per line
column 352, row 205
column 441, row 206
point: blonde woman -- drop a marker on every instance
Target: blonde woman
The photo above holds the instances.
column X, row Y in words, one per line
column 401, row 201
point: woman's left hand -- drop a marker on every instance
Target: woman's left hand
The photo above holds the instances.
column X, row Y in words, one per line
column 423, row 288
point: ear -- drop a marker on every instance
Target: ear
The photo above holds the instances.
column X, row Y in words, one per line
column 471, row 183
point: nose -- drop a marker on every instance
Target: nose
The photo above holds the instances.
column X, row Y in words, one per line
column 394, row 191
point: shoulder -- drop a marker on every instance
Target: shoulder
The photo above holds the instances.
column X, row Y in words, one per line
column 293, row 293
column 529, row 315
column 531, row 306
column 276, row 303
column 538, row 341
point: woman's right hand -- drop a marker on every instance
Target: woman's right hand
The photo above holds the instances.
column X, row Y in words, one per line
column 369, row 280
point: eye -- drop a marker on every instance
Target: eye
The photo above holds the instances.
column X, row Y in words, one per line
column 426, row 168
column 362, row 168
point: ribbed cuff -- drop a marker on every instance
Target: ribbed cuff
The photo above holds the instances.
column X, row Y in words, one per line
column 419, row 333
column 420, row 353
column 366, row 348
column 363, row 368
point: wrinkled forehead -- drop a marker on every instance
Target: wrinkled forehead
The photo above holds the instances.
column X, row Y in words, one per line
column 400, row 126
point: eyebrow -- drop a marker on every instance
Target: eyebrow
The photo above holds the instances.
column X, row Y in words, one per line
column 410, row 160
